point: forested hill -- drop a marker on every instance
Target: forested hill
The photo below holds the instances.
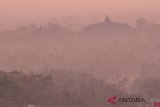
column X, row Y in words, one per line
column 58, row 89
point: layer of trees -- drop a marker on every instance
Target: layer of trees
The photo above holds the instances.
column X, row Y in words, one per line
column 57, row 89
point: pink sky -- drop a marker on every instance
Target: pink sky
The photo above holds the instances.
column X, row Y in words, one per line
column 35, row 8
column 15, row 13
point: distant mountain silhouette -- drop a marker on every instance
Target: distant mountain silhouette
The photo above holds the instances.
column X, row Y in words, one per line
column 141, row 24
column 147, row 28
column 108, row 27
column 153, row 30
column 52, row 29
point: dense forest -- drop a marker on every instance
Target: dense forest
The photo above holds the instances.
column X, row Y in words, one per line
column 58, row 89
column 79, row 68
column 63, row 89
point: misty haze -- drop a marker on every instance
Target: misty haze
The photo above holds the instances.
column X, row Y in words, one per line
column 63, row 55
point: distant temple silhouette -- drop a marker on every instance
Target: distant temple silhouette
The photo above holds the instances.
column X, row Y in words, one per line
column 107, row 26
column 107, row 19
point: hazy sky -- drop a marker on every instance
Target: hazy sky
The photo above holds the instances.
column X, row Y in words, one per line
column 15, row 13
column 34, row 8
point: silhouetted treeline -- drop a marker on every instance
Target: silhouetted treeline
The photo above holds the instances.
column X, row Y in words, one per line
column 105, row 27
column 58, row 89
column 66, row 89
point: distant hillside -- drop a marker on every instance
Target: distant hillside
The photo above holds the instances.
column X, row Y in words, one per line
column 108, row 27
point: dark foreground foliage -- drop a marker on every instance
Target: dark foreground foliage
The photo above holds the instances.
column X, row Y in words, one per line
column 64, row 89
column 57, row 89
